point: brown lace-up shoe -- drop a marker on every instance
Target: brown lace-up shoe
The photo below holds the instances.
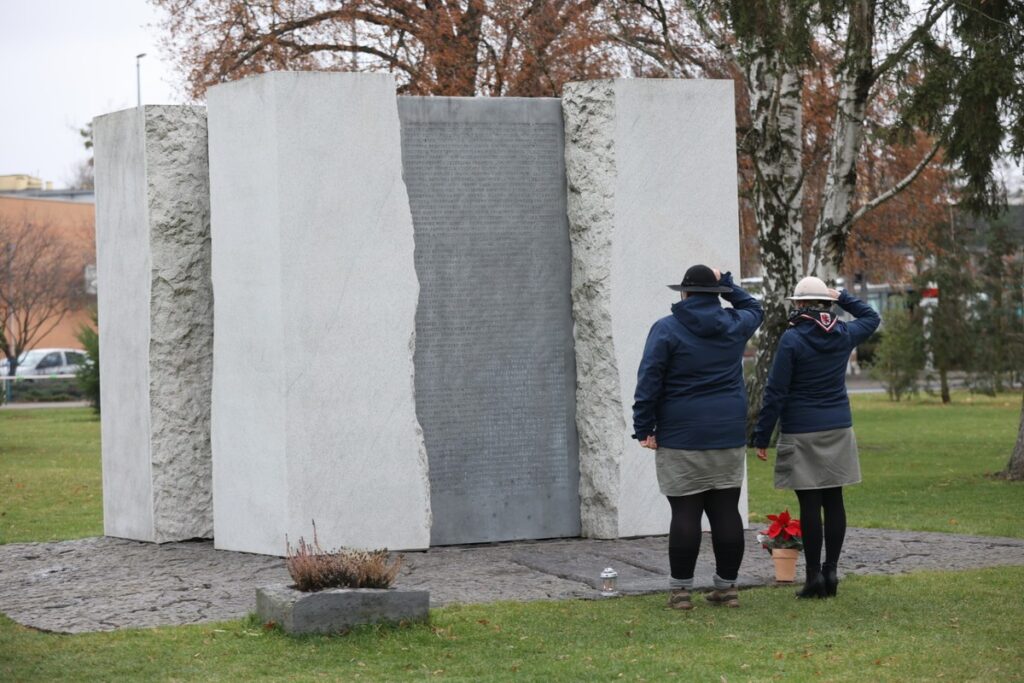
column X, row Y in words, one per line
column 729, row 597
column 680, row 599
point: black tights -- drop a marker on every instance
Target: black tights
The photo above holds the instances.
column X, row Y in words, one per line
column 812, row 503
column 721, row 506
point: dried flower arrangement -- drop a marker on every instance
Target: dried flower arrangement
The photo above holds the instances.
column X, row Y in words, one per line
column 313, row 568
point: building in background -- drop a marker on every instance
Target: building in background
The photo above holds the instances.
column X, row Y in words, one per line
column 20, row 182
column 71, row 215
column 29, row 187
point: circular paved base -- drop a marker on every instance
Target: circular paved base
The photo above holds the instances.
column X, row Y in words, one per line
column 100, row 584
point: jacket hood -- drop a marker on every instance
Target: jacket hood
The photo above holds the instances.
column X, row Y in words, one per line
column 821, row 337
column 702, row 315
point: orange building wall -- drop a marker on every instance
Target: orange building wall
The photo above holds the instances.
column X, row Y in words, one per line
column 76, row 222
column 64, row 336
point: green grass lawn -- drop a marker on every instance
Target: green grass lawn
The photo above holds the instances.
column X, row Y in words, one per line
column 49, row 475
column 924, row 467
column 924, row 626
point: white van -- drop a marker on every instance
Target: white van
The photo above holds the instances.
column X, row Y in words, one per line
column 49, row 362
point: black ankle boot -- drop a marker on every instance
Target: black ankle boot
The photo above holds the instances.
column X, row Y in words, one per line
column 814, row 586
column 831, row 579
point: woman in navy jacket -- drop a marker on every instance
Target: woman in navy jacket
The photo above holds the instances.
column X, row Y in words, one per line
column 690, row 407
column 817, row 450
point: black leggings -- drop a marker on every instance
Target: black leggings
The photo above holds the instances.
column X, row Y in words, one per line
column 812, row 503
column 721, row 506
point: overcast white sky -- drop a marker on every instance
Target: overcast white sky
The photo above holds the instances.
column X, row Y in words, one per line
column 64, row 62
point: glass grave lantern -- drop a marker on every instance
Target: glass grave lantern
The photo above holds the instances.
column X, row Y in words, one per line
column 609, row 579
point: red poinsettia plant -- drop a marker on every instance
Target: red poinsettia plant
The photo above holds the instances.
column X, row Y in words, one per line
column 783, row 533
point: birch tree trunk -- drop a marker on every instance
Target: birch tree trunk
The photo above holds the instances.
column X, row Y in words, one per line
column 855, row 79
column 776, row 109
column 1015, row 468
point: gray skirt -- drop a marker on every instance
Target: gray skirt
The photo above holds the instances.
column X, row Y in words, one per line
column 817, row 460
column 683, row 472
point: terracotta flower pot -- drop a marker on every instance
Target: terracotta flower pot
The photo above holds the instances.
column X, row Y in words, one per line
column 785, row 564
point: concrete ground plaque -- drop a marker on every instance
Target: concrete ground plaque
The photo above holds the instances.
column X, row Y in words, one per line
column 336, row 610
column 495, row 373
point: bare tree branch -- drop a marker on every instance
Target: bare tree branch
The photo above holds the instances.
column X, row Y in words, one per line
column 710, row 34
column 40, row 283
column 919, row 32
column 310, row 48
column 899, row 186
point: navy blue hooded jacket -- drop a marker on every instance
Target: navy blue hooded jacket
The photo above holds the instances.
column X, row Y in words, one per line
column 689, row 390
column 807, row 384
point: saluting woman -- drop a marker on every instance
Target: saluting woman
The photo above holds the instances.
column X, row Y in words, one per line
column 690, row 407
column 817, row 450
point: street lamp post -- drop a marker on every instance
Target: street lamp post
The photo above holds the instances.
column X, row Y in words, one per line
column 138, row 78
column 11, row 368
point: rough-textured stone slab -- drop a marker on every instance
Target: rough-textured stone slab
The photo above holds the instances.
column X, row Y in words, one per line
column 156, row 321
column 101, row 584
column 651, row 167
column 495, row 373
column 313, row 410
column 338, row 609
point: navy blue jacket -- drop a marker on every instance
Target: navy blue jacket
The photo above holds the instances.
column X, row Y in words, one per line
column 807, row 384
column 689, row 390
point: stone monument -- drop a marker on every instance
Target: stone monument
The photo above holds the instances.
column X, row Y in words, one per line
column 156, row 322
column 429, row 312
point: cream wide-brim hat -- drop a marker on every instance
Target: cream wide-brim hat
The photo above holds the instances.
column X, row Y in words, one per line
column 811, row 289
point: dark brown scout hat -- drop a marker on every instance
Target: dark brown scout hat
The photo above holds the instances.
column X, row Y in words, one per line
column 700, row 278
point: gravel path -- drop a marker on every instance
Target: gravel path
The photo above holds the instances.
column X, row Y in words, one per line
column 101, row 584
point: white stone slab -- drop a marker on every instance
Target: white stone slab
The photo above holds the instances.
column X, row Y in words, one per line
column 313, row 406
column 651, row 166
column 156, row 322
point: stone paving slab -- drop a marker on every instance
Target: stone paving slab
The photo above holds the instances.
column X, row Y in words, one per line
column 102, row 584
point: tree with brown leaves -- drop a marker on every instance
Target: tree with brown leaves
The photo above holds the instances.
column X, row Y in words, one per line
column 525, row 48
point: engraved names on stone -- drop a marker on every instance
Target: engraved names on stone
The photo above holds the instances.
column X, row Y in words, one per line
column 495, row 375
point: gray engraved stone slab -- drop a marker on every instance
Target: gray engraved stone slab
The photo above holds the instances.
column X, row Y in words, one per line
column 651, row 168
column 495, row 372
column 339, row 609
column 156, row 321
column 313, row 407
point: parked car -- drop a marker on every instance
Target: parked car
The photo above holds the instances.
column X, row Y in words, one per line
column 48, row 362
